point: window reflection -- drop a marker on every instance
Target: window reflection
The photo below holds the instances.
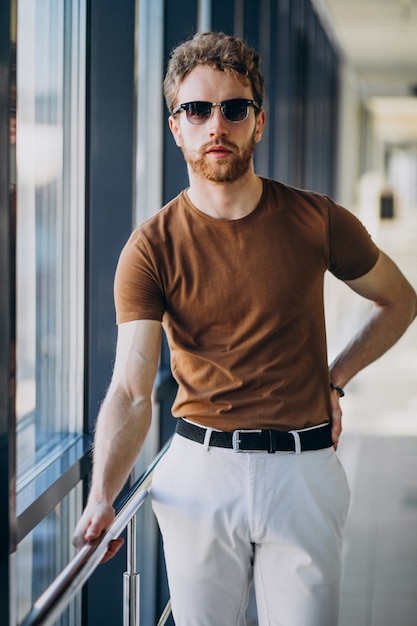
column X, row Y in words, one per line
column 50, row 225
column 49, row 176
column 43, row 554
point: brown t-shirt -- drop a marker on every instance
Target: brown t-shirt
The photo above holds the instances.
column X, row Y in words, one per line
column 241, row 302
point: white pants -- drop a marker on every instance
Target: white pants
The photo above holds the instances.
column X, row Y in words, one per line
column 228, row 517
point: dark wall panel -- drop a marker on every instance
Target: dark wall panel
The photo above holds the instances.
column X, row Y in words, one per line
column 282, row 81
column 180, row 23
column 301, row 70
column 251, row 30
column 110, row 175
column 223, row 16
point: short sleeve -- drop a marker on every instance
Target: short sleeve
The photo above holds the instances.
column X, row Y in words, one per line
column 352, row 252
column 137, row 286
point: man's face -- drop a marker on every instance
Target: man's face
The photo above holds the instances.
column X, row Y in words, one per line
column 218, row 150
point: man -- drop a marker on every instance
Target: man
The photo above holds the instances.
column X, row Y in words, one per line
column 233, row 269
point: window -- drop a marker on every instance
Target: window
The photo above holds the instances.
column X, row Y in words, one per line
column 49, row 178
column 43, row 554
column 50, row 226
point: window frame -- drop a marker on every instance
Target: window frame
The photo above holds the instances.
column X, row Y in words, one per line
column 7, row 310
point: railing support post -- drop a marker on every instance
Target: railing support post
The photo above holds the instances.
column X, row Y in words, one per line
column 131, row 580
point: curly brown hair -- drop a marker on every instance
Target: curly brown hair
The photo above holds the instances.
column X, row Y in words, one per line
column 220, row 51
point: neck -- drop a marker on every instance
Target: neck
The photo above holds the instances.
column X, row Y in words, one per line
column 226, row 201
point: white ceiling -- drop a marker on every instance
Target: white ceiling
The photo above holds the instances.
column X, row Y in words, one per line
column 378, row 41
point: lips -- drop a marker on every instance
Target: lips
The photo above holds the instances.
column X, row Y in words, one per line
column 219, row 151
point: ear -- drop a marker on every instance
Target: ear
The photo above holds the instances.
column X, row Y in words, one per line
column 174, row 127
column 260, row 124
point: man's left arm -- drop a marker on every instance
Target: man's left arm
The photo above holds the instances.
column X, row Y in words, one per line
column 395, row 307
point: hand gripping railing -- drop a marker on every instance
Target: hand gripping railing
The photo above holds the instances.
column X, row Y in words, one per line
column 57, row 596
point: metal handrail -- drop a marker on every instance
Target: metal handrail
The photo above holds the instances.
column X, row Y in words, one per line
column 50, row 605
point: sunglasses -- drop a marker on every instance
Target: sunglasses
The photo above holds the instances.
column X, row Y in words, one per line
column 235, row 110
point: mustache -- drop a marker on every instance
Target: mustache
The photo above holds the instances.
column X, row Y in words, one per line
column 218, row 142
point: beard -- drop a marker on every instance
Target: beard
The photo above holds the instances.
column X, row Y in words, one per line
column 222, row 170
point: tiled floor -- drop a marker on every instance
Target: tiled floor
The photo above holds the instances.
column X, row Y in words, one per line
column 380, row 565
column 379, row 451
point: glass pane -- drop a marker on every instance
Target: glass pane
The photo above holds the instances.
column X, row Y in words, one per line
column 50, row 225
column 43, row 554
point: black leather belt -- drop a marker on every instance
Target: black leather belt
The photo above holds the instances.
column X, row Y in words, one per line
column 271, row 441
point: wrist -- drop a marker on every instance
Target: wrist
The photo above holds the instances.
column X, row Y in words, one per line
column 337, row 388
column 99, row 498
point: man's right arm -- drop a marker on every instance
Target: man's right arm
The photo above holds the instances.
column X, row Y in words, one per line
column 122, row 425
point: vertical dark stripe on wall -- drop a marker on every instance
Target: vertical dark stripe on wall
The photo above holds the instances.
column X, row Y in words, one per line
column 271, row 45
column 180, row 23
column 325, row 96
column 258, row 36
column 298, row 78
column 321, row 134
column 7, row 303
column 310, row 153
column 330, row 183
column 223, row 16
column 269, row 39
column 110, row 174
column 251, row 30
column 281, row 81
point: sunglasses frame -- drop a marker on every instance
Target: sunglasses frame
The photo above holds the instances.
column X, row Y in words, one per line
column 185, row 107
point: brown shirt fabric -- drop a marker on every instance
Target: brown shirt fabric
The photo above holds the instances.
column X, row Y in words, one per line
column 241, row 302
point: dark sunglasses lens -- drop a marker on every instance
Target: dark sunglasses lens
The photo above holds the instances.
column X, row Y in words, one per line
column 198, row 112
column 235, row 110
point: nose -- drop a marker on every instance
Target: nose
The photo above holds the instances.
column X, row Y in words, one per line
column 217, row 123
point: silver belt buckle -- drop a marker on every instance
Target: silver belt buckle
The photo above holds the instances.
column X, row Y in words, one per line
column 236, row 438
